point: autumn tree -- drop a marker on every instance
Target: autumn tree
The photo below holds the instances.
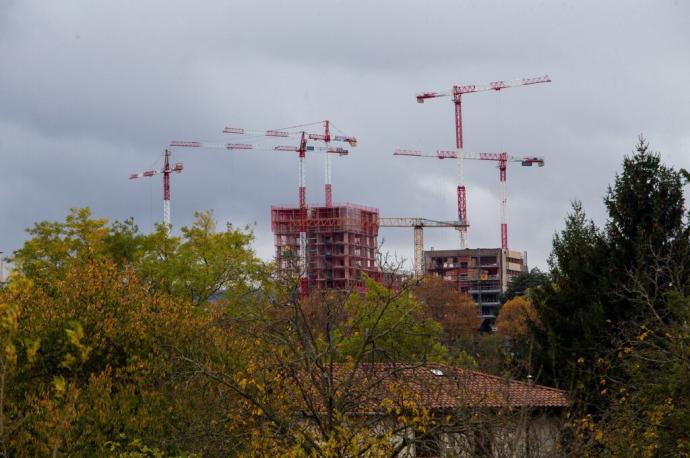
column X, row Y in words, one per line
column 458, row 313
column 200, row 264
column 92, row 358
column 309, row 369
column 515, row 317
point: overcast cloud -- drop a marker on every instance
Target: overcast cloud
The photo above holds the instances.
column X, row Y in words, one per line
column 91, row 91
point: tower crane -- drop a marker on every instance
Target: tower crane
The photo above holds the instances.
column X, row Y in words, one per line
column 456, row 93
column 501, row 158
column 167, row 170
column 301, row 149
column 418, row 224
column 326, row 137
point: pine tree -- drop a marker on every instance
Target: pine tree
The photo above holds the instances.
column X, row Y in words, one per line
column 646, row 224
column 570, row 308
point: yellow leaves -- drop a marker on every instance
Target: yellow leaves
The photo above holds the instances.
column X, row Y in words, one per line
column 10, row 354
column 580, row 360
column 515, row 317
column 599, row 436
column 59, row 385
column 387, row 405
column 9, row 318
column 75, row 335
column 32, row 346
column 644, row 333
column 409, row 404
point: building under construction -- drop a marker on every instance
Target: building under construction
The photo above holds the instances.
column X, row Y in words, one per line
column 482, row 273
column 341, row 243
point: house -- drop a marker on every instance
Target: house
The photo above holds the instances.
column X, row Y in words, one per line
column 438, row 410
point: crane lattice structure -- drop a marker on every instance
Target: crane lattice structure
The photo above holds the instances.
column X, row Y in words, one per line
column 501, row 158
column 456, row 93
column 418, row 224
column 167, row 170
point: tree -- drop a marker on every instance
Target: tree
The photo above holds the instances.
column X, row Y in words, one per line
column 570, row 308
column 610, row 328
column 646, row 220
column 100, row 316
column 309, row 370
column 521, row 284
column 92, row 358
column 112, row 342
column 458, row 313
column 201, row 264
column 54, row 246
column 515, row 317
column 645, row 384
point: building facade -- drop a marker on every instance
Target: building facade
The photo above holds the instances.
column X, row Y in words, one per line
column 482, row 273
column 341, row 243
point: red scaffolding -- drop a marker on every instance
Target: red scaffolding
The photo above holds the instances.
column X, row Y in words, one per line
column 341, row 243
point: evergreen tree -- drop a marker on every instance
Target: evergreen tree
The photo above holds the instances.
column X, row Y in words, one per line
column 521, row 284
column 646, row 224
column 570, row 308
column 605, row 283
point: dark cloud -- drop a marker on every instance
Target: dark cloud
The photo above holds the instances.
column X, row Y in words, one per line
column 93, row 91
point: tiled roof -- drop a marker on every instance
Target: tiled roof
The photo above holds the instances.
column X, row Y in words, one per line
column 437, row 386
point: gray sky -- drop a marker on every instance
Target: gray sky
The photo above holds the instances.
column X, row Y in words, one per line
column 93, row 91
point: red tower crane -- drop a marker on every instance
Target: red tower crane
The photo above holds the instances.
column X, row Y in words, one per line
column 456, row 92
column 166, row 171
column 301, row 150
column 501, row 158
column 326, row 137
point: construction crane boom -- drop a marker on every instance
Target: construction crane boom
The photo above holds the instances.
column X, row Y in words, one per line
column 247, row 146
column 167, row 170
column 352, row 141
column 456, row 92
column 450, row 154
column 418, row 224
column 501, row 158
column 493, row 86
column 325, row 137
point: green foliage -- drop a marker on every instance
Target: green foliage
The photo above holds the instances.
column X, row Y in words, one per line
column 98, row 323
column 523, row 283
column 570, row 308
column 646, row 222
column 53, row 246
column 201, row 264
column 615, row 317
column 114, row 342
column 390, row 327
